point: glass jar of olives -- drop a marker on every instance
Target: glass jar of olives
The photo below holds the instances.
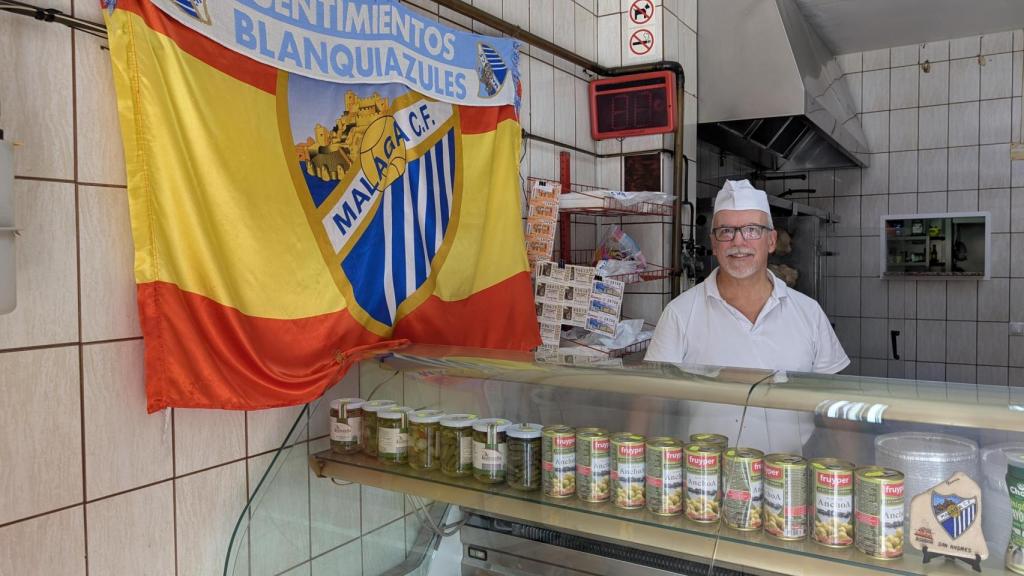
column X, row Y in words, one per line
column 393, row 435
column 370, row 410
column 524, row 456
column 457, row 444
column 346, row 418
column 425, row 439
column 490, row 450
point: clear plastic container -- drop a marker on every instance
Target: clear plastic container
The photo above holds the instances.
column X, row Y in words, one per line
column 393, row 435
column 457, row 444
column 490, row 450
column 524, row 456
column 425, row 439
column 370, row 410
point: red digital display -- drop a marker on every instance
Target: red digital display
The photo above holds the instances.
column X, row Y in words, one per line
column 632, row 105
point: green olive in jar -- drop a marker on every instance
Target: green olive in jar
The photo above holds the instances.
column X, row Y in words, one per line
column 369, row 424
column 393, row 435
column 524, row 448
column 490, row 450
column 457, row 444
column 425, row 439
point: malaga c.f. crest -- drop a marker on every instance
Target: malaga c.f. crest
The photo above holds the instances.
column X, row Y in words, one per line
column 376, row 168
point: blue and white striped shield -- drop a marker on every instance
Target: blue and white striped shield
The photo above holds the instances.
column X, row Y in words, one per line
column 394, row 255
column 956, row 514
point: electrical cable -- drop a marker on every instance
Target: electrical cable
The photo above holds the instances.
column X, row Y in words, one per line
column 54, row 15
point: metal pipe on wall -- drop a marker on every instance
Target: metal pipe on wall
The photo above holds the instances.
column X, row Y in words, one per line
column 678, row 159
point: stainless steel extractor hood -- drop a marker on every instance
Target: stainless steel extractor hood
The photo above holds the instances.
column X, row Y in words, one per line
column 771, row 90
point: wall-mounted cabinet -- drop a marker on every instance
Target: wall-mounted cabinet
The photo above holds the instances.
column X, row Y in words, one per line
column 951, row 245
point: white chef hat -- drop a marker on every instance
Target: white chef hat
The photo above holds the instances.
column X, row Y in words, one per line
column 741, row 195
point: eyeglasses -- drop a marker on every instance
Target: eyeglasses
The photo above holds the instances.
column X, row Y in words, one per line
column 749, row 232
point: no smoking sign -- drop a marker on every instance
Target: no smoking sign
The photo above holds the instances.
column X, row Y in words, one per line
column 641, row 41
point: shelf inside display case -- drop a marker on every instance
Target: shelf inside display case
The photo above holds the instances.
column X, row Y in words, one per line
column 839, row 397
column 750, row 552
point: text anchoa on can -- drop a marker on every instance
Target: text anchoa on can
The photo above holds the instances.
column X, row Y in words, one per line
column 743, row 488
column 785, row 496
column 703, row 482
column 664, row 476
column 627, row 472
column 832, row 500
column 593, row 467
column 558, row 461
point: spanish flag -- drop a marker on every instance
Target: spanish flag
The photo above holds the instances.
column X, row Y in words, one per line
column 285, row 226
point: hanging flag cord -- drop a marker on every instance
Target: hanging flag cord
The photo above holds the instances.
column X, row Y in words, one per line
column 53, row 15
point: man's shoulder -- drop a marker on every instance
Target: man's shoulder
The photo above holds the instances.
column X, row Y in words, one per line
column 804, row 302
column 684, row 303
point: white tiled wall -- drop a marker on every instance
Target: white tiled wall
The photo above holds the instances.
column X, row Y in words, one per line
column 89, row 481
column 939, row 119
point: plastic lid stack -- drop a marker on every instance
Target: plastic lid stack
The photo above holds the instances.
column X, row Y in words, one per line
column 926, row 458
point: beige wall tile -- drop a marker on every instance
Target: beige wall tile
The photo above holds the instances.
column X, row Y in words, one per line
column 51, row 544
column 384, row 549
column 47, row 311
column 209, row 504
column 109, row 307
column 41, row 417
column 268, row 428
column 88, row 10
column 133, row 533
column 100, row 153
column 279, row 529
column 334, row 509
column 345, row 561
column 380, row 507
column 37, row 104
column 205, row 438
column 124, row 446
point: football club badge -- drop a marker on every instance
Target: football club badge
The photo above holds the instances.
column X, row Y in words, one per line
column 946, row 521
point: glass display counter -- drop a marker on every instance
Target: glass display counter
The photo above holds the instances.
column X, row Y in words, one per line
column 927, row 430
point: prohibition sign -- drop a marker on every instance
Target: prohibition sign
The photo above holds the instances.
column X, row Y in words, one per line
column 641, row 42
column 641, row 11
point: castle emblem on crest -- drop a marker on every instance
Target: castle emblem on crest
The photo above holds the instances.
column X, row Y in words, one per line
column 195, row 8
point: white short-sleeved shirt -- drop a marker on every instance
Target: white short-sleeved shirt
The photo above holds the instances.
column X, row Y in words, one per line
column 791, row 333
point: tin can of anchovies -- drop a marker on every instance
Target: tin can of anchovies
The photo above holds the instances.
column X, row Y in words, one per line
column 878, row 512
column 1015, row 486
column 743, row 488
column 709, row 438
column 628, row 470
column 832, row 501
column 703, row 482
column 664, row 483
column 346, row 417
column 785, row 496
column 593, row 471
column 558, row 461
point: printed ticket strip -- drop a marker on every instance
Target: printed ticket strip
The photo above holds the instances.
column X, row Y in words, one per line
column 542, row 216
column 572, row 295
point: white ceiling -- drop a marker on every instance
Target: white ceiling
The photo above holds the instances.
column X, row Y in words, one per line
column 858, row 25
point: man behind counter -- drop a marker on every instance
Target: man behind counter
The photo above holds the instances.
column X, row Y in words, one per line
column 742, row 315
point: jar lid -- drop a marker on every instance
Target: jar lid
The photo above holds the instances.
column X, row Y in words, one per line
column 487, row 424
column 352, row 403
column 376, row 405
column 426, row 416
column 458, row 420
column 525, row 430
column 394, row 412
